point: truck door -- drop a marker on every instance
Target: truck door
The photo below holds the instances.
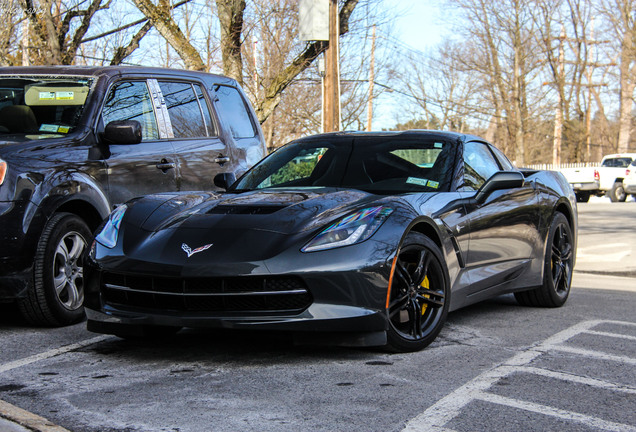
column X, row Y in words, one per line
column 143, row 168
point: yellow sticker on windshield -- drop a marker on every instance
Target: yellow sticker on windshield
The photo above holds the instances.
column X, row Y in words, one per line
column 64, row 95
column 432, row 184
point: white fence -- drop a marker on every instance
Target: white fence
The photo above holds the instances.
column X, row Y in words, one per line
column 551, row 167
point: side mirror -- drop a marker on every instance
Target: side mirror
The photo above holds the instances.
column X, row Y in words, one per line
column 224, row 180
column 499, row 181
column 123, row 132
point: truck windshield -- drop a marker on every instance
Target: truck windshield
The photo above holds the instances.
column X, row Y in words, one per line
column 41, row 107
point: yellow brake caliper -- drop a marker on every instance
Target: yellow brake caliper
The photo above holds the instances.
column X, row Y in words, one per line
column 425, row 284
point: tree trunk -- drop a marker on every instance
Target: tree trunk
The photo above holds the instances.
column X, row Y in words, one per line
column 231, row 19
column 161, row 18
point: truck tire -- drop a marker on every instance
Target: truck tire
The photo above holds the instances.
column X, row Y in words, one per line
column 582, row 197
column 56, row 292
column 617, row 193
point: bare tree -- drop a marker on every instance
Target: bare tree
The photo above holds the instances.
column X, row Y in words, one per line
column 621, row 17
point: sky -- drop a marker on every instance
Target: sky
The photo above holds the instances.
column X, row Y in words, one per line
column 419, row 26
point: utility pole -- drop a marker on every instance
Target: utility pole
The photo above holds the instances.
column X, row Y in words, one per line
column 558, row 115
column 371, row 79
column 331, row 103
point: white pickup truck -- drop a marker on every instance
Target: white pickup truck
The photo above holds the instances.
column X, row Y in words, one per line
column 606, row 179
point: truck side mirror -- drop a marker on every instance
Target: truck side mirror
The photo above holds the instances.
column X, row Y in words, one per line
column 123, row 132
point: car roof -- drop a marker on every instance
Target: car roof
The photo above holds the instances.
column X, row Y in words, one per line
column 422, row 133
column 111, row 71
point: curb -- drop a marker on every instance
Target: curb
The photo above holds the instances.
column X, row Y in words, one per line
column 24, row 420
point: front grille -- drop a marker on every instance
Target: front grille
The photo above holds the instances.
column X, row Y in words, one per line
column 239, row 294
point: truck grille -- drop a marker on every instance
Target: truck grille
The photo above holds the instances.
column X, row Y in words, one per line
column 239, row 294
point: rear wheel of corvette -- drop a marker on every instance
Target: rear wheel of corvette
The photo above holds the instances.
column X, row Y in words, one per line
column 55, row 295
column 419, row 295
column 557, row 271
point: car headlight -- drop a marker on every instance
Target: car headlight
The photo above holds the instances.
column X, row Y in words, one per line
column 3, row 171
column 352, row 229
column 109, row 233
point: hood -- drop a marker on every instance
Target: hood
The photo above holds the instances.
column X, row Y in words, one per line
column 208, row 234
column 282, row 212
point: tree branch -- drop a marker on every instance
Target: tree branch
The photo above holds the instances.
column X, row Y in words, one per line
column 122, row 52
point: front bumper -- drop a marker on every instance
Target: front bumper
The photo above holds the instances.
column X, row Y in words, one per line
column 317, row 318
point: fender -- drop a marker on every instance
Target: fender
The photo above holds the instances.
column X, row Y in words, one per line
column 78, row 192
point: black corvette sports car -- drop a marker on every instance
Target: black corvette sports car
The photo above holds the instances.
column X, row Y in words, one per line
column 371, row 238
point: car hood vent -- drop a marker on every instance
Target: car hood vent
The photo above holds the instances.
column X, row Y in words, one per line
column 245, row 209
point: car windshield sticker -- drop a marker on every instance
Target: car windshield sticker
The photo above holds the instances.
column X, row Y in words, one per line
column 191, row 252
column 64, row 95
column 438, row 145
column 63, row 129
column 49, row 128
column 417, row 181
column 433, row 184
column 47, row 95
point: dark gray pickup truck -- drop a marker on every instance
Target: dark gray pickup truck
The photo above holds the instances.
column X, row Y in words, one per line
column 75, row 142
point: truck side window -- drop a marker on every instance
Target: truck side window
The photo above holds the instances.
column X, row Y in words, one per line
column 232, row 109
column 130, row 100
column 184, row 110
column 479, row 164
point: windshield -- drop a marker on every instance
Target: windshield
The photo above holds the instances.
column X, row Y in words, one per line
column 41, row 107
column 382, row 166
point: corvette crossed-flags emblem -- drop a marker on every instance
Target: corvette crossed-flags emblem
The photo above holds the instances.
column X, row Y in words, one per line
column 191, row 252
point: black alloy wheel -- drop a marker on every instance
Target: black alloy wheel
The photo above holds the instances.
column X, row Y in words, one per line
column 419, row 297
column 558, row 267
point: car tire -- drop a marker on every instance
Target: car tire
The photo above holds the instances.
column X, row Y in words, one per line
column 557, row 268
column 617, row 193
column 56, row 292
column 419, row 295
column 582, row 197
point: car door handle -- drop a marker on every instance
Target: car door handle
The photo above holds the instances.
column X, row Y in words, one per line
column 222, row 159
column 164, row 165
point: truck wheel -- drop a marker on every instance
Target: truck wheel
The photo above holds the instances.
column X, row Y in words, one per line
column 56, row 293
column 582, row 196
column 617, row 193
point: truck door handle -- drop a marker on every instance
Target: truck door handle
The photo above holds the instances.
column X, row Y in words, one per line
column 164, row 165
column 222, row 159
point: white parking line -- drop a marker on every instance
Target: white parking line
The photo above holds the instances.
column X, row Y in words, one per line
column 51, row 353
column 441, row 413
column 592, row 422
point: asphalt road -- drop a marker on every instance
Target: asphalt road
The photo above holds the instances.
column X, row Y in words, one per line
column 495, row 366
